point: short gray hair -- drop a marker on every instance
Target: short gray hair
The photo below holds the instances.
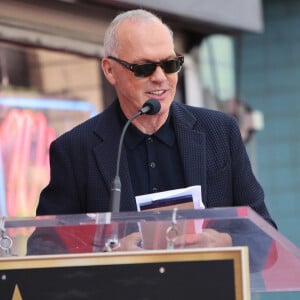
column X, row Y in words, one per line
column 110, row 37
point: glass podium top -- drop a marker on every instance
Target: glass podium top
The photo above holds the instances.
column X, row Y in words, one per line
column 274, row 260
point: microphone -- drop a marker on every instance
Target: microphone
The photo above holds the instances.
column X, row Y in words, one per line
column 150, row 107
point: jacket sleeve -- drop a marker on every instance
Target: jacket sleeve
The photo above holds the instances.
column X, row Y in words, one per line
column 59, row 196
column 246, row 188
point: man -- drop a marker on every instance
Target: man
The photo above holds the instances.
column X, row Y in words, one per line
column 177, row 147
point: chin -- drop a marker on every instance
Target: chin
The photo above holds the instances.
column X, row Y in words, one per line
column 166, row 104
column 165, row 107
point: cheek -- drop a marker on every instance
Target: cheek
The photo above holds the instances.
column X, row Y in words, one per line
column 174, row 81
column 132, row 92
column 173, row 84
column 126, row 84
column 128, row 80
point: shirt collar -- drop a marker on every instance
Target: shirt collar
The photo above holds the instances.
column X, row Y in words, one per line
column 134, row 136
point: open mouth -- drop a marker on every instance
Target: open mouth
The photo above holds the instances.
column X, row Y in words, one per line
column 157, row 93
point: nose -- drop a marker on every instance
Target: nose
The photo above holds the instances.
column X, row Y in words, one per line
column 158, row 74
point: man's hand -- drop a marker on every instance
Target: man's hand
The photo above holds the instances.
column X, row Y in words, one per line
column 130, row 242
column 208, row 238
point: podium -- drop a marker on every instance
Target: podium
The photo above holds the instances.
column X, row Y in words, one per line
column 81, row 256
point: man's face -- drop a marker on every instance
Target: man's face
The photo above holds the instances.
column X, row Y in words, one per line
column 141, row 43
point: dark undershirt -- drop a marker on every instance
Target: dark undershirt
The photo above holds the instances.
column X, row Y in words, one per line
column 154, row 160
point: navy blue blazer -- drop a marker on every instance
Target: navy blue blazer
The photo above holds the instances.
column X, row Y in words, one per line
column 83, row 163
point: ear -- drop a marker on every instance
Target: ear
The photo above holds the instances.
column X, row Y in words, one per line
column 107, row 69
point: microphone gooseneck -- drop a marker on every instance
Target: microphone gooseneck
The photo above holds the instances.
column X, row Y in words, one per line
column 150, row 107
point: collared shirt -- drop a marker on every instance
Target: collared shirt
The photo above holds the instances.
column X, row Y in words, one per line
column 154, row 160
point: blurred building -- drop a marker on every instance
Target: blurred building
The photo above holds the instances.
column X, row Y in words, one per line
column 50, row 41
column 50, row 54
column 269, row 75
column 241, row 57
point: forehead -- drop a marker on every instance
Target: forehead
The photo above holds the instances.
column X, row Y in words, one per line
column 140, row 39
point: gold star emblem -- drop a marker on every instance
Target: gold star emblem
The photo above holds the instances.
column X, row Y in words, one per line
column 16, row 294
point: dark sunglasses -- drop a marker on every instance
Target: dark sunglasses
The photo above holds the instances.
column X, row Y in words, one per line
column 144, row 70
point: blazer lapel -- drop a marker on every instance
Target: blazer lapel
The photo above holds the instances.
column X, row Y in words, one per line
column 192, row 147
column 109, row 130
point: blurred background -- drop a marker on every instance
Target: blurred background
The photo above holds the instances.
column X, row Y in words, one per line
column 241, row 57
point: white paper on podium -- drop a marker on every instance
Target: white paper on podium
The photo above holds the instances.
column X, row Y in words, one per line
column 189, row 197
column 153, row 235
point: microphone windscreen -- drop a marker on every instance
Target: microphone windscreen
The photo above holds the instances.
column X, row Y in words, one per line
column 153, row 107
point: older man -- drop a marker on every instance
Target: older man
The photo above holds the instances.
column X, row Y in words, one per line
column 177, row 147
